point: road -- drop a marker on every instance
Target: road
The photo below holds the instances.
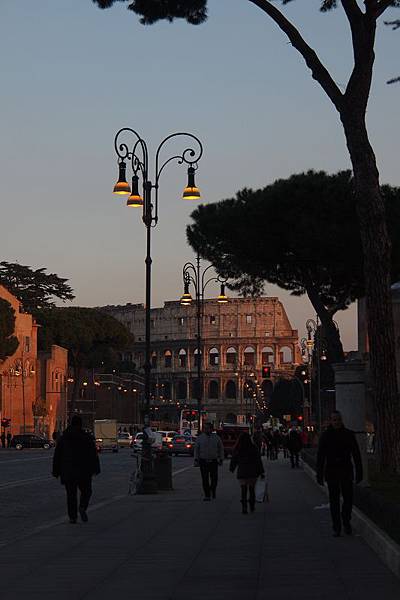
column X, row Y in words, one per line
column 32, row 500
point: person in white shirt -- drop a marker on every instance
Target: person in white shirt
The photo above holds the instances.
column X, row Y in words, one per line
column 209, row 454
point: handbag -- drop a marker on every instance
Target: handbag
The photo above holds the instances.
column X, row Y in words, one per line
column 261, row 490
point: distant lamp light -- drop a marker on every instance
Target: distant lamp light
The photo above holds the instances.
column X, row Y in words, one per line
column 324, row 357
column 222, row 298
column 191, row 192
column 122, row 186
column 135, row 200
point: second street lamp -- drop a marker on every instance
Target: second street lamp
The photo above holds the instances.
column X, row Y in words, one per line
column 137, row 156
column 192, row 275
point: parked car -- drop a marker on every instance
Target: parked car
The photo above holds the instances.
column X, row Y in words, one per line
column 181, row 444
column 30, row 440
column 124, row 439
column 167, row 436
column 136, row 443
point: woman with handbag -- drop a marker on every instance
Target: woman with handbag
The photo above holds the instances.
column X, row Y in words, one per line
column 246, row 458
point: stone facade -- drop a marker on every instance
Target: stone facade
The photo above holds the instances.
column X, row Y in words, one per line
column 31, row 385
column 238, row 338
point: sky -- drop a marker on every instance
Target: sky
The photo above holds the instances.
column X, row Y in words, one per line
column 72, row 75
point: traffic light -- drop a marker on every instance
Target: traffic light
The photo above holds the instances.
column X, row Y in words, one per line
column 266, row 372
column 5, row 422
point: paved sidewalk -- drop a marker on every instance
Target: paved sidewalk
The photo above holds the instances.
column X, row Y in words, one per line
column 174, row 546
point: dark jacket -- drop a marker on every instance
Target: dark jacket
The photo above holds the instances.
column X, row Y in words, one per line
column 249, row 464
column 75, row 456
column 293, row 441
column 336, row 450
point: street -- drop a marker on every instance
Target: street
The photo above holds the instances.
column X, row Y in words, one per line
column 172, row 545
column 31, row 499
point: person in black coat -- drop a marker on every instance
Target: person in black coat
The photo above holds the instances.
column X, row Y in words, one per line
column 294, row 445
column 337, row 451
column 247, row 459
column 75, row 461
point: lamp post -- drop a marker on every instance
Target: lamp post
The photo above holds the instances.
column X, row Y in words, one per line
column 137, row 155
column 192, row 275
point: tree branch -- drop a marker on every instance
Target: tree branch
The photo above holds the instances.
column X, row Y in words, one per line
column 352, row 10
column 318, row 70
column 382, row 6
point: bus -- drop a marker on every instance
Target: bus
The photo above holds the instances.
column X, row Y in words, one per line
column 188, row 421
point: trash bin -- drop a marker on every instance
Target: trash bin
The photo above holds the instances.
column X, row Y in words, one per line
column 163, row 470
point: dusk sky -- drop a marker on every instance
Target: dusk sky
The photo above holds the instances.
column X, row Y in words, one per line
column 72, row 75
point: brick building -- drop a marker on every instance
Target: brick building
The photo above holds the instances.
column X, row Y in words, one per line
column 31, row 385
column 238, row 338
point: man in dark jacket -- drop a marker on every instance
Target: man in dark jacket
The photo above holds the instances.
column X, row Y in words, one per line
column 337, row 449
column 75, row 462
column 294, row 444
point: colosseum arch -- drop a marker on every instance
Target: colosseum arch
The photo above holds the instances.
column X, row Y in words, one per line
column 249, row 355
column 285, row 355
column 230, row 390
column 267, row 355
column 213, row 390
column 181, row 389
column 213, row 357
column 231, row 356
column 182, row 358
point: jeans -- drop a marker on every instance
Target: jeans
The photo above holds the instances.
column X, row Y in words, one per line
column 209, row 476
column 85, row 488
column 336, row 487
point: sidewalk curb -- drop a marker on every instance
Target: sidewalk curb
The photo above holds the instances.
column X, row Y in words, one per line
column 380, row 542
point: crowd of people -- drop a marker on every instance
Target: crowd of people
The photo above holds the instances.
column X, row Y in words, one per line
column 339, row 463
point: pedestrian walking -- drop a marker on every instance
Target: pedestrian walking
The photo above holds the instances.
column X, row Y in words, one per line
column 3, row 439
column 246, row 458
column 276, row 443
column 295, row 445
column 9, row 436
column 337, row 451
column 75, row 461
column 284, row 441
column 258, row 438
column 208, row 455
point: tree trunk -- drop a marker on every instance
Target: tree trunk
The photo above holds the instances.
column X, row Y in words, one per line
column 335, row 352
column 377, row 253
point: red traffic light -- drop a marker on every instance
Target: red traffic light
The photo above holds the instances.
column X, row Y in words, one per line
column 5, row 422
column 300, row 418
column 266, row 372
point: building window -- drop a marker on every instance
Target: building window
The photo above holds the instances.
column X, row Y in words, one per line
column 213, row 390
column 230, row 390
column 181, row 389
column 27, row 344
column 154, row 360
column 249, row 356
column 168, row 359
column 248, row 319
column 231, row 356
column 267, row 355
column 213, row 319
column 285, row 355
column 181, row 321
column 182, row 358
column 196, row 358
column 213, row 357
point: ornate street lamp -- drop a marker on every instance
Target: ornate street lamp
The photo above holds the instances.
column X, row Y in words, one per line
column 192, row 275
column 137, row 156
